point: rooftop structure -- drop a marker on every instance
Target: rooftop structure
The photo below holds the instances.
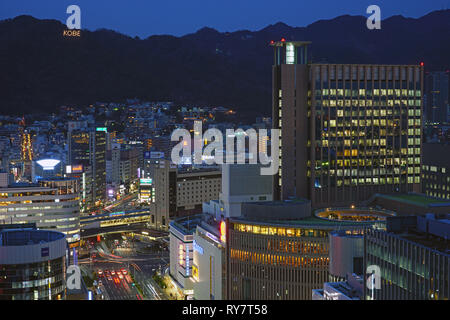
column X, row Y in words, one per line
column 21, row 237
column 413, row 257
column 410, row 203
column 343, row 290
column 353, row 214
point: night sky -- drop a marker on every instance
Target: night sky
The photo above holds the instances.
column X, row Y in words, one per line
column 179, row 17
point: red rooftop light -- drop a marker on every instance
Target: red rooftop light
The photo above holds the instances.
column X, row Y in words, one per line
column 283, row 40
column 422, row 64
column 272, row 42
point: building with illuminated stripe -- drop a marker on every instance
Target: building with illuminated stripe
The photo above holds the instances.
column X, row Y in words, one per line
column 347, row 130
column 181, row 252
column 413, row 258
column 281, row 259
column 209, row 265
column 276, row 250
column 53, row 204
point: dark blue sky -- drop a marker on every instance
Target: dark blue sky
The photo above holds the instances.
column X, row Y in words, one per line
column 179, row 17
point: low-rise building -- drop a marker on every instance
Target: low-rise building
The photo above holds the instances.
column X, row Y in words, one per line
column 209, row 265
column 181, row 252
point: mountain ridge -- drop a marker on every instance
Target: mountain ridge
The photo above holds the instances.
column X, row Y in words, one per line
column 44, row 70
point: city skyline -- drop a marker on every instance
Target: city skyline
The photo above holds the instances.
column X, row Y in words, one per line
column 179, row 18
column 285, row 164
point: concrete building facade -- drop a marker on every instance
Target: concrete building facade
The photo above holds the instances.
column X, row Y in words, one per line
column 347, row 131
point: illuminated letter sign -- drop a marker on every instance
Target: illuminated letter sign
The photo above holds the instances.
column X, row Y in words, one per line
column 77, row 168
column 197, row 247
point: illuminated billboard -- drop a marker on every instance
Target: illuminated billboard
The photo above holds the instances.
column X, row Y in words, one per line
column 145, row 181
column 48, row 164
column 74, row 169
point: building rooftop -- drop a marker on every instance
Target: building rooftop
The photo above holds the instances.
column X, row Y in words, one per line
column 58, row 179
column 353, row 214
column 25, row 236
column 24, row 187
column 283, row 42
column 311, row 221
column 435, row 243
column 416, row 199
column 293, row 201
column 182, row 172
column 431, row 231
column 188, row 224
column 345, row 289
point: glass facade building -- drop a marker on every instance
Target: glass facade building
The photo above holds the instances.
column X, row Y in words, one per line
column 413, row 260
column 436, row 170
column 87, row 149
column 32, row 265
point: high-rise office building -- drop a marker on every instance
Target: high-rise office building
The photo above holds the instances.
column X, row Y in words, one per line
column 122, row 164
column 347, row 131
column 79, row 150
column 437, row 103
column 436, row 170
column 98, row 160
column 84, row 176
column 87, row 147
column 113, row 165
